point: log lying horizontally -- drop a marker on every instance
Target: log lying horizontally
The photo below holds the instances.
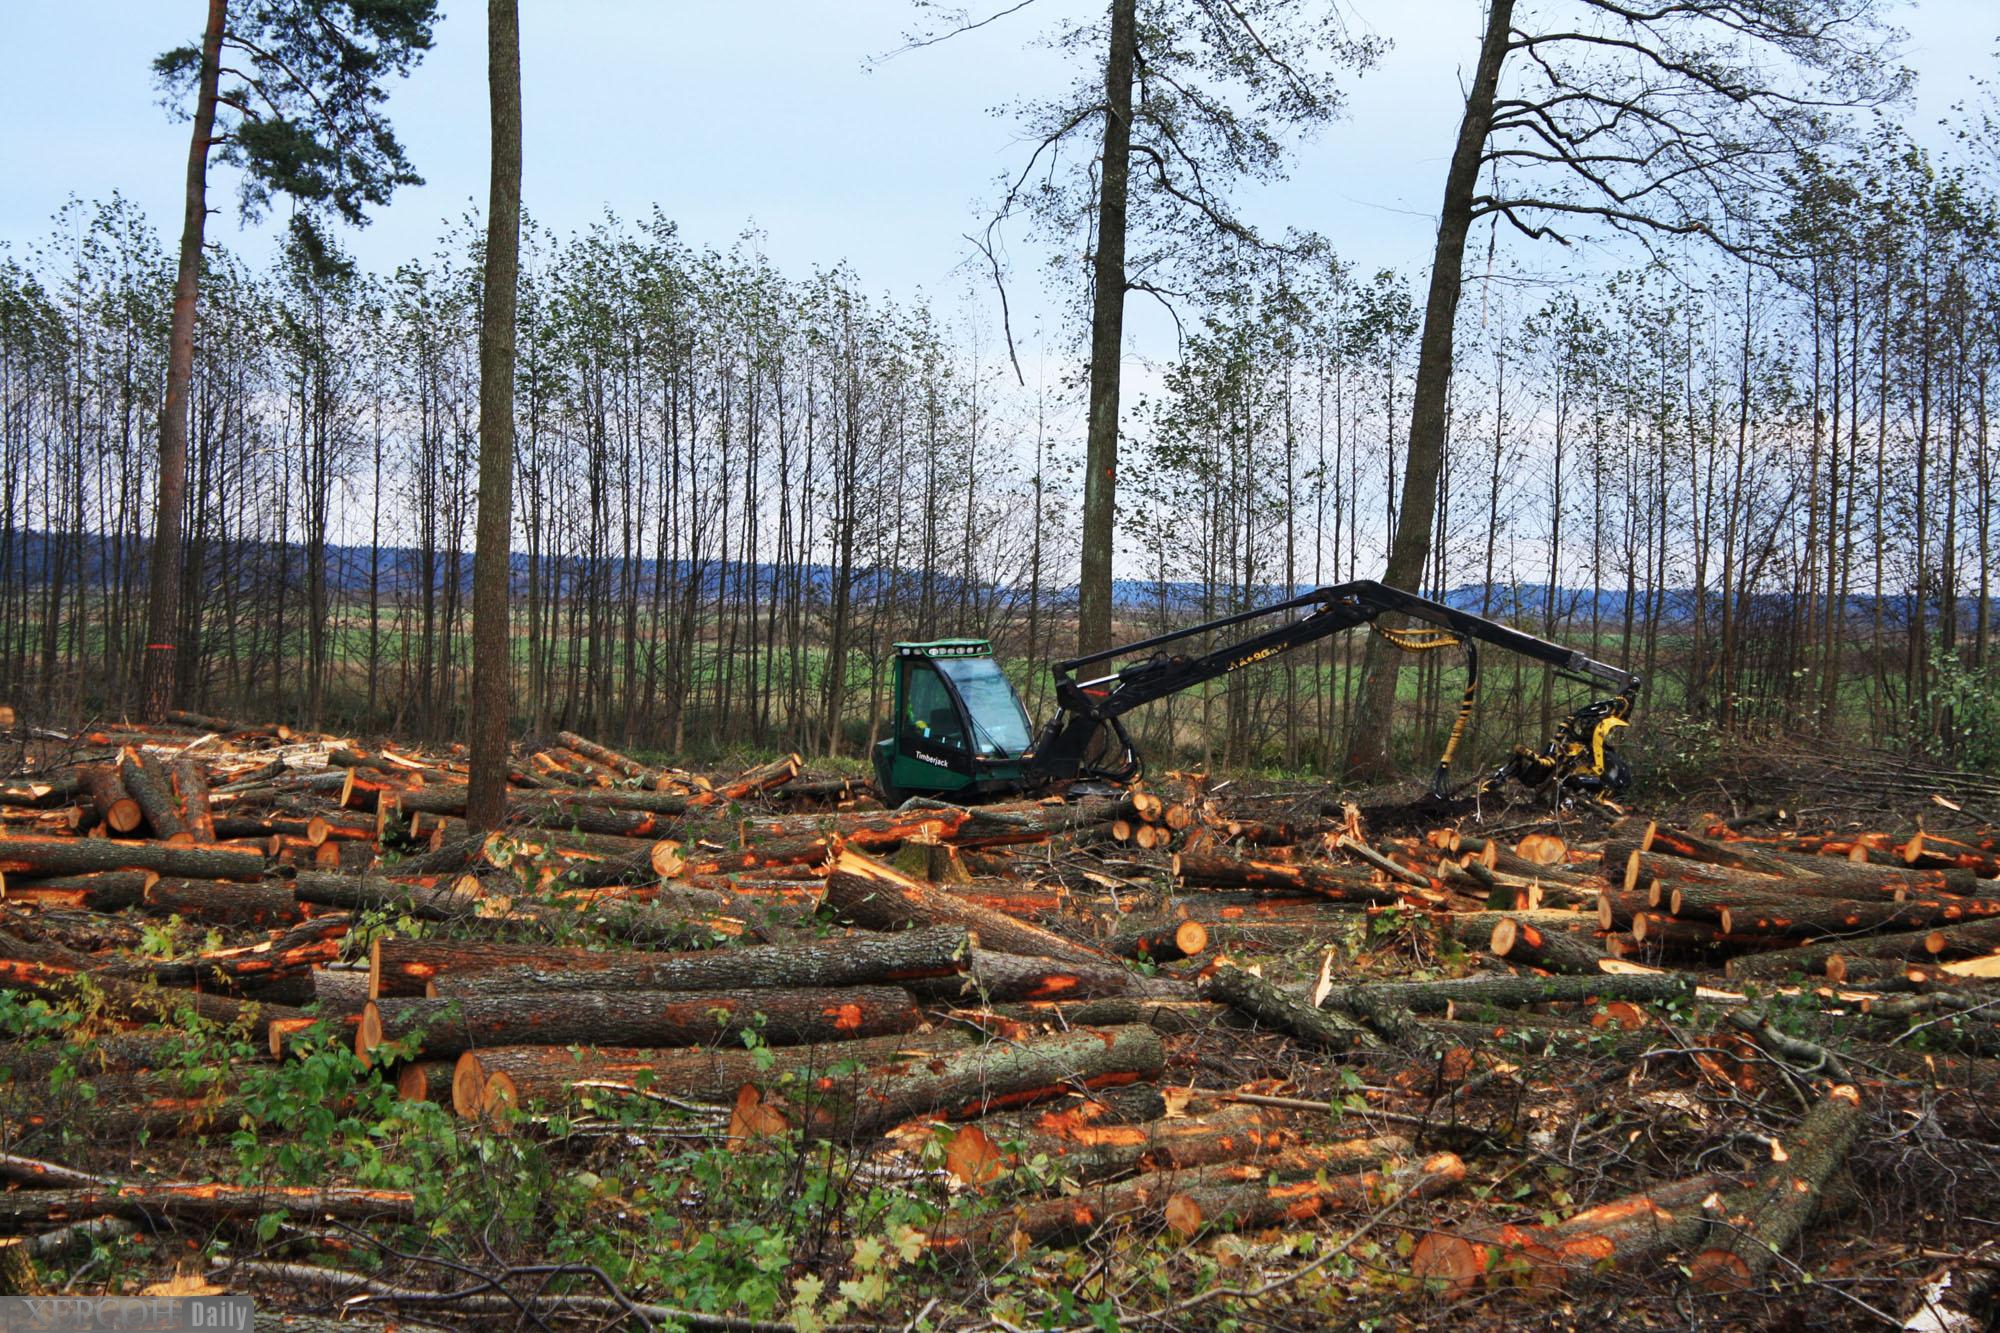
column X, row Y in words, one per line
column 996, row 1076
column 461, row 968
column 1225, row 869
column 871, row 894
column 449, row 1027
column 39, row 1209
column 32, row 856
column 1548, row 1254
column 490, row 1079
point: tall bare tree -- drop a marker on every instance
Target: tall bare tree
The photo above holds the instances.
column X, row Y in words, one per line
column 1184, row 99
column 1649, row 116
column 492, row 637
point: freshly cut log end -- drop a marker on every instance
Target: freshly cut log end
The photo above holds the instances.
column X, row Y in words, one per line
column 1543, row 849
column 1523, row 1254
column 468, row 1086
column 425, row 1081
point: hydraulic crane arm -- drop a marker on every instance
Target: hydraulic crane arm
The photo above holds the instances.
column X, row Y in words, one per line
column 1086, row 706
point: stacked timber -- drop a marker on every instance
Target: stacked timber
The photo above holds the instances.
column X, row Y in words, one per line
column 1066, row 981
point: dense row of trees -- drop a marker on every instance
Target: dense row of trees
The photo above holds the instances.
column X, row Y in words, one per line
column 1757, row 469
column 1768, row 489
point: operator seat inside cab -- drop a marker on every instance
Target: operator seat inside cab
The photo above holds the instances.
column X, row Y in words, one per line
column 928, row 710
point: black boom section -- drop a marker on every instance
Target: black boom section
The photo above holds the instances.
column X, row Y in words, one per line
column 1086, row 706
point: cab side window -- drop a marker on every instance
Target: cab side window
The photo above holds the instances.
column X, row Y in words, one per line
column 928, row 711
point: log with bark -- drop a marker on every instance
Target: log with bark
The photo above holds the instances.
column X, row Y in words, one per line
column 114, row 806
column 1273, row 1008
column 22, row 1210
column 1570, row 952
column 870, row 894
column 150, row 786
column 99, row 891
column 42, row 856
column 492, row 1079
column 1754, row 1227
column 444, row 1027
column 463, row 967
column 996, row 1076
column 1226, row 869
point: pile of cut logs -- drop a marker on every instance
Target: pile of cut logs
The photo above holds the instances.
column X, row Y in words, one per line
column 1154, row 989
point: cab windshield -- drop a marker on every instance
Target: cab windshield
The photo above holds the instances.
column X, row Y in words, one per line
column 999, row 726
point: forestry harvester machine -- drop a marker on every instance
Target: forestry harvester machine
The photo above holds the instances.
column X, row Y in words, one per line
column 961, row 733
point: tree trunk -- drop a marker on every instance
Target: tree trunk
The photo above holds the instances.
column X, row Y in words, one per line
column 1760, row 1224
column 492, row 639
column 871, row 895
column 163, row 609
column 1338, row 883
column 453, row 1026
column 1430, row 409
column 967, row 1084
column 1107, row 336
column 463, row 967
column 492, row 1078
column 80, row 856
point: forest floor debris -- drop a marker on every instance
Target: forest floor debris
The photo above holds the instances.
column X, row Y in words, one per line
column 750, row 1051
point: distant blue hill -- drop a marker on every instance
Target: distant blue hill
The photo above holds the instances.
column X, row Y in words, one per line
column 400, row 569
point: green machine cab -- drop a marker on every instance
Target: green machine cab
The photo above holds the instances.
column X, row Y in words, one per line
column 960, row 729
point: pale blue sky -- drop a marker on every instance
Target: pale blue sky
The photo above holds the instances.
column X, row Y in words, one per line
column 732, row 114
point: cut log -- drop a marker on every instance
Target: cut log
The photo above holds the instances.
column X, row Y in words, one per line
column 116, row 809
column 39, row 856
column 1159, row 942
column 762, row 778
column 150, row 787
column 1257, row 998
column 490, row 1080
column 1464, row 996
column 1545, row 1255
column 452, row 1026
column 226, row 902
column 1223, row 1195
column 1966, row 940
column 426, row 1081
column 51, row 968
column 1732, row 855
column 191, row 787
column 870, row 894
column 1809, row 960
column 1161, row 1015
column 466, row 967
column 963, row 1084
column 101, row 891
column 608, row 757
column 1755, row 1227
column 1552, row 950
column 1339, row 883
column 1086, row 1144
column 206, row 1203
column 1251, row 1205
column 995, row 977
